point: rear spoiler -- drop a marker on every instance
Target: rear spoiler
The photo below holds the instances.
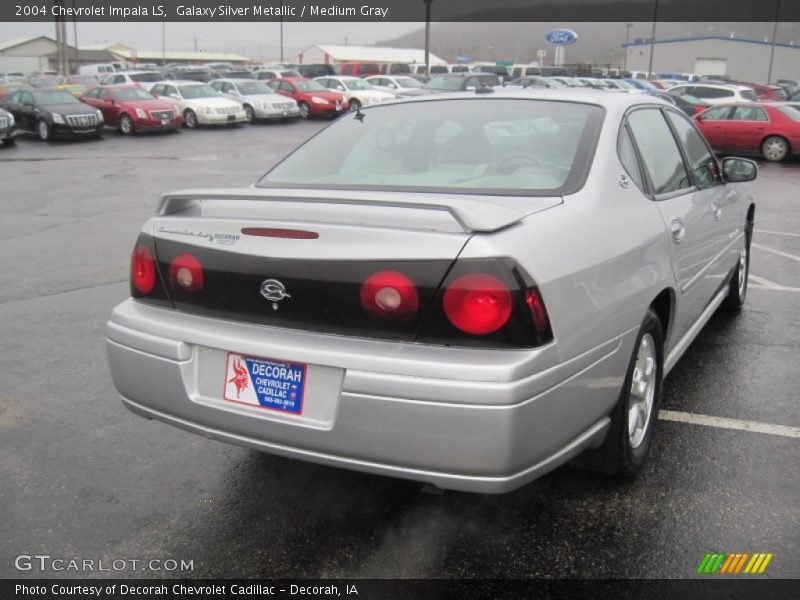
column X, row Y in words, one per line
column 473, row 213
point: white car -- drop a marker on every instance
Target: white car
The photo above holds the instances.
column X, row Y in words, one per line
column 716, row 93
column 401, row 85
column 199, row 103
column 258, row 99
column 357, row 91
column 139, row 77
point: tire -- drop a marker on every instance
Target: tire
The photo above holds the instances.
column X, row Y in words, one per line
column 125, row 125
column 43, row 130
column 639, row 401
column 737, row 290
column 354, row 104
column 305, row 111
column 190, row 118
column 249, row 113
column 774, row 148
column 618, row 455
column 10, row 141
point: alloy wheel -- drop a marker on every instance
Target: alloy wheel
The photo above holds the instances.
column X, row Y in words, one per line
column 643, row 387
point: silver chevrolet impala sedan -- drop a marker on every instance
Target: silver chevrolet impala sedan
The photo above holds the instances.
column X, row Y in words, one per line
column 467, row 291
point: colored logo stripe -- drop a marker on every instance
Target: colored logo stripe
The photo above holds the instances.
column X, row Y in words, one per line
column 722, row 563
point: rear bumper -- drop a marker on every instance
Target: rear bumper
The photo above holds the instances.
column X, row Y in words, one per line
column 378, row 407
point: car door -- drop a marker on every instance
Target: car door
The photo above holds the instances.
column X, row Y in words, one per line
column 746, row 127
column 686, row 211
column 27, row 111
column 714, row 125
column 722, row 201
column 105, row 103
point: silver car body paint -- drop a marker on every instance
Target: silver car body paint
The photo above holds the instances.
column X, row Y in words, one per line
column 481, row 420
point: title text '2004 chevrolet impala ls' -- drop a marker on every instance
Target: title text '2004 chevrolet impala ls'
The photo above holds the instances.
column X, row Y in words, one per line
column 465, row 290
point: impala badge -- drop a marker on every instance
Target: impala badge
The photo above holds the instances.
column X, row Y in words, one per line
column 274, row 291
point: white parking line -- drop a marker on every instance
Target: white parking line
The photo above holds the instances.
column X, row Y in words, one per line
column 797, row 235
column 774, row 251
column 762, row 283
column 725, row 423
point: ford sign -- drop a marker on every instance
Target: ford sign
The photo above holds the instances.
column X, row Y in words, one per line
column 561, row 37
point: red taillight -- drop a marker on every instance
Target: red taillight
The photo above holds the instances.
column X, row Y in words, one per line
column 143, row 270
column 389, row 294
column 477, row 303
column 186, row 273
column 538, row 312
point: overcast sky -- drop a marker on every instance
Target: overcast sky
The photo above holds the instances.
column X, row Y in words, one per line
column 242, row 38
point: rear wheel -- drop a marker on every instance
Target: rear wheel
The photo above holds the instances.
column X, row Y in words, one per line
column 249, row 113
column 775, row 148
column 125, row 125
column 640, row 399
column 189, row 118
column 305, row 112
column 43, row 130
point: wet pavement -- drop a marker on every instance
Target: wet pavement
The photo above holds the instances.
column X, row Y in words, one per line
column 82, row 477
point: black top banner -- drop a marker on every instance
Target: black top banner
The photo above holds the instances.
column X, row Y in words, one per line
column 373, row 11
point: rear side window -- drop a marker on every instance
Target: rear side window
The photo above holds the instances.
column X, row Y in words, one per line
column 701, row 161
column 749, row 113
column 659, row 150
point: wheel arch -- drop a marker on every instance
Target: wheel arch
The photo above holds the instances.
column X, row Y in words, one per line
column 663, row 305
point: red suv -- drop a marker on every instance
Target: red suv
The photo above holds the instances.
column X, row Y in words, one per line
column 359, row 69
column 312, row 97
column 131, row 108
column 768, row 92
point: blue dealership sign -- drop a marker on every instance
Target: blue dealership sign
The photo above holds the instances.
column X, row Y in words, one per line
column 561, row 37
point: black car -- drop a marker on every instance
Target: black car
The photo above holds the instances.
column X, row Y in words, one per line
column 8, row 128
column 460, row 82
column 52, row 113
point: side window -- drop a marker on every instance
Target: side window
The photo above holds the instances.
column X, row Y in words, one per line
column 659, row 150
column 286, row 87
column 749, row 113
column 217, row 85
column 158, row 90
column 701, row 161
column 718, row 113
column 102, row 94
column 169, row 90
column 627, row 157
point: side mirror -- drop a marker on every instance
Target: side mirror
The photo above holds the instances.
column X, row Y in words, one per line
column 175, row 96
column 393, row 86
column 738, row 170
column 470, row 88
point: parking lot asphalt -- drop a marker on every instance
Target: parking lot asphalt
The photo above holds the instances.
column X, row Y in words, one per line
column 82, row 477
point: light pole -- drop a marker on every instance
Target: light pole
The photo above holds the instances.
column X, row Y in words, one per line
column 281, row 13
column 627, row 39
column 428, row 36
column 653, row 40
column 163, row 43
column 772, row 46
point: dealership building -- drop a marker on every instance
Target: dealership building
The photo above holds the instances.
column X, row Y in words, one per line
column 333, row 54
column 740, row 58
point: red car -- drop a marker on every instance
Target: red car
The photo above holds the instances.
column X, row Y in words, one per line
column 768, row 129
column 132, row 109
column 773, row 93
column 312, row 97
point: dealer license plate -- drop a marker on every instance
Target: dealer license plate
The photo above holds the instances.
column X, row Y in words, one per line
column 265, row 383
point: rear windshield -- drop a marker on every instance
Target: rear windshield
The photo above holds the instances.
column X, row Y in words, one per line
column 749, row 95
column 791, row 112
column 502, row 146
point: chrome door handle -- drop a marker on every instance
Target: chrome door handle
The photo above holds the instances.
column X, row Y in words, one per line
column 678, row 230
